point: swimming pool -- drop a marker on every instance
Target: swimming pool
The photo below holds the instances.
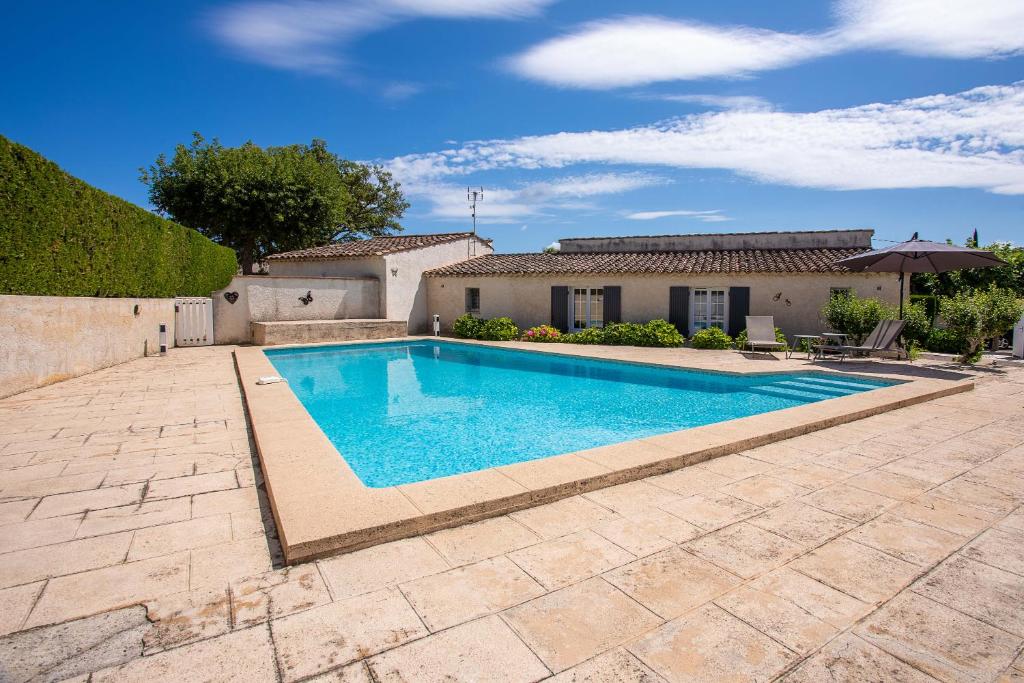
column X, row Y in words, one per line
column 402, row 412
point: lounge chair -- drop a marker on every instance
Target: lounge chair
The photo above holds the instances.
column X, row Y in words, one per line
column 761, row 333
column 884, row 338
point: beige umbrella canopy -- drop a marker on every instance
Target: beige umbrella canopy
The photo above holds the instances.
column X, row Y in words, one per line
column 920, row 256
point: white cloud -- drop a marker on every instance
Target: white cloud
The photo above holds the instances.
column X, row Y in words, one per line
column 399, row 91
column 715, row 101
column 457, row 9
column 637, row 50
column 306, row 35
column 530, row 200
column 942, row 28
column 713, row 216
column 629, row 51
column 971, row 139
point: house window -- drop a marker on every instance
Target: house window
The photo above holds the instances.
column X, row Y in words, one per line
column 833, row 292
column 708, row 308
column 586, row 308
column 472, row 299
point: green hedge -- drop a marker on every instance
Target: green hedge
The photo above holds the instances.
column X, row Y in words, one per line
column 62, row 237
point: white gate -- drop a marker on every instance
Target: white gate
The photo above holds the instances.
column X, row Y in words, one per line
column 193, row 321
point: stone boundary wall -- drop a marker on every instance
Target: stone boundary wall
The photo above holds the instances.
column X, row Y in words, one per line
column 272, row 298
column 320, row 331
column 46, row 339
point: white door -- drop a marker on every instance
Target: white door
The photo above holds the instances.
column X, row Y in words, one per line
column 193, row 321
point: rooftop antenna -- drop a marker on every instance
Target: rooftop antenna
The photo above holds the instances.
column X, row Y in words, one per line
column 474, row 195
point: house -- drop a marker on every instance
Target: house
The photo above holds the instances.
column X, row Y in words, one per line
column 693, row 281
column 398, row 264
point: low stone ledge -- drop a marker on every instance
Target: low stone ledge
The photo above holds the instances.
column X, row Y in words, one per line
column 316, row 331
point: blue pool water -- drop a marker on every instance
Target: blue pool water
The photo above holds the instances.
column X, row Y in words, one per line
column 409, row 411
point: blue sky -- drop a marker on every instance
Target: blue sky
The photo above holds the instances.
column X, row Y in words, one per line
column 578, row 118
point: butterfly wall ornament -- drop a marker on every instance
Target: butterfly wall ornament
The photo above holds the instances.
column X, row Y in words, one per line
column 308, row 299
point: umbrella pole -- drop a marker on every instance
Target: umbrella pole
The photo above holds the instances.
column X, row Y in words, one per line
column 901, row 295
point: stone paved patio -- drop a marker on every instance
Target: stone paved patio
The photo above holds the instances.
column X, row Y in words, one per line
column 135, row 544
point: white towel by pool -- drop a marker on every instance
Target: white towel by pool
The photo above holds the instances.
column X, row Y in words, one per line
column 270, row 379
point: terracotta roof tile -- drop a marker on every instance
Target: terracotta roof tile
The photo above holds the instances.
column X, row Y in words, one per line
column 376, row 246
column 731, row 261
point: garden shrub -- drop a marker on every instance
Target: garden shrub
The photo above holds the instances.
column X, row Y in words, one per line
column 498, row 329
column 918, row 324
column 929, row 302
column 740, row 340
column 711, row 338
column 466, row 326
column 944, row 341
column 855, row 317
column 63, row 237
column 542, row 333
column 652, row 333
column 664, row 333
column 624, row 334
column 980, row 315
column 592, row 335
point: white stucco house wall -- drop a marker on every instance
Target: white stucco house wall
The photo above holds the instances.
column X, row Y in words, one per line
column 398, row 263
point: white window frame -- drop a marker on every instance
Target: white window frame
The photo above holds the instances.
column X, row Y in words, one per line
column 693, row 307
column 572, row 307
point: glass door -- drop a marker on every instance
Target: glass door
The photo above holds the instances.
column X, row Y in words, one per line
column 708, row 308
column 587, row 308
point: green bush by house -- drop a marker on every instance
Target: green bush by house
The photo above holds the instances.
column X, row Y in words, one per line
column 979, row 316
column 466, row 326
column 495, row 329
column 652, row 333
column 62, row 237
column 711, row 338
column 498, row 329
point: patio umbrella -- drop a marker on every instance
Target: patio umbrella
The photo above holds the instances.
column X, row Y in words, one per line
column 920, row 256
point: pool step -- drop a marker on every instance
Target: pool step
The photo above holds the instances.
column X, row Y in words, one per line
column 811, row 388
column 838, row 382
column 815, row 387
column 793, row 393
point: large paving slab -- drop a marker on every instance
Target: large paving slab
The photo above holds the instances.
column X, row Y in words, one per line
column 742, row 570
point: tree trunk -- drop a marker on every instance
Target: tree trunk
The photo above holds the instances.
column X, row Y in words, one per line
column 246, row 257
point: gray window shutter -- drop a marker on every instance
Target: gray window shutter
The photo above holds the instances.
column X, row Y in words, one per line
column 739, row 309
column 679, row 308
column 560, row 308
column 612, row 304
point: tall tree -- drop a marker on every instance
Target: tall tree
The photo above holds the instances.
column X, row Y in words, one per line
column 260, row 201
